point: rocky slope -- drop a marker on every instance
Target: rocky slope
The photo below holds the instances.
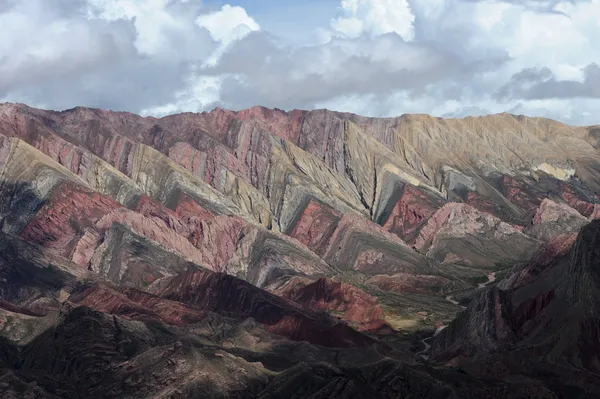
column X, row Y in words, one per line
column 551, row 322
column 260, row 251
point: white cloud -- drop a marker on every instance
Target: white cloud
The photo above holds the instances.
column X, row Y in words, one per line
column 542, row 83
column 228, row 24
column 374, row 17
column 201, row 93
column 375, row 57
column 39, row 42
column 151, row 19
column 118, row 54
column 288, row 77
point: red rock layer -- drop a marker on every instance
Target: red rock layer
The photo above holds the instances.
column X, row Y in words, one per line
column 348, row 302
column 135, row 305
column 283, row 124
column 75, row 220
column 520, row 194
column 190, row 211
column 544, row 257
column 150, row 208
column 575, row 200
column 316, row 225
column 411, row 212
column 529, row 195
column 217, row 237
column 527, row 312
column 231, row 296
column 434, row 224
column 596, row 213
column 63, row 219
column 483, row 204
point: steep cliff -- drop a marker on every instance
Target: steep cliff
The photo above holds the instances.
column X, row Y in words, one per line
column 551, row 318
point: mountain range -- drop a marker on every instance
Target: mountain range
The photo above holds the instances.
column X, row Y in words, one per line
column 303, row 254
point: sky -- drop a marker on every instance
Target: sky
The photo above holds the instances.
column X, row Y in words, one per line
column 448, row 58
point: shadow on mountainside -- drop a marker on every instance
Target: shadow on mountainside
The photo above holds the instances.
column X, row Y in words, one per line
column 85, row 353
column 50, row 347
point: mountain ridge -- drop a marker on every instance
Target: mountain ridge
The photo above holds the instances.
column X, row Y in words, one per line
column 305, row 243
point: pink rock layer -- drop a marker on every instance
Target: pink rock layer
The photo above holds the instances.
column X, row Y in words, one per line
column 63, row 220
column 411, row 212
column 344, row 300
column 316, row 225
column 136, row 305
column 222, row 293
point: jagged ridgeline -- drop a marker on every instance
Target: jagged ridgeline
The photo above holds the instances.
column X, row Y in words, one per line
column 264, row 253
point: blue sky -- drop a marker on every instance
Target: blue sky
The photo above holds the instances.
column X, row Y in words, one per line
column 448, row 58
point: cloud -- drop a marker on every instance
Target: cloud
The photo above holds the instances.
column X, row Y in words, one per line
column 365, row 54
column 226, row 26
column 374, row 17
column 374, row 57
column 162, row 26
column 557, row 35
column 541, row 83
column 45, row 42
column 119, row 54
column 261, row 72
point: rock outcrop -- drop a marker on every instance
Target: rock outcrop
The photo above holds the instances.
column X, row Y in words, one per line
column 458, row 234
column 552, row 219
column 226, row 294
column 343, row 300
column 552, row 317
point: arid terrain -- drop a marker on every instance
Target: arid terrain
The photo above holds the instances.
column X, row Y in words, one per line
column 301, row 254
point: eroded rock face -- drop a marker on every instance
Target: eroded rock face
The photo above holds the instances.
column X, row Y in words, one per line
column 548, row 253
column 315, row 226
column 459, row 233
column 88, row 353
column 343, row 300
column 223, row 293
column 92, row 354
column 34, row 279
column 132, row 304
column 551, row 316
column 411, row 212
column 368, row 157
column 150, row 241
column 552, row 219
column 486, row 327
